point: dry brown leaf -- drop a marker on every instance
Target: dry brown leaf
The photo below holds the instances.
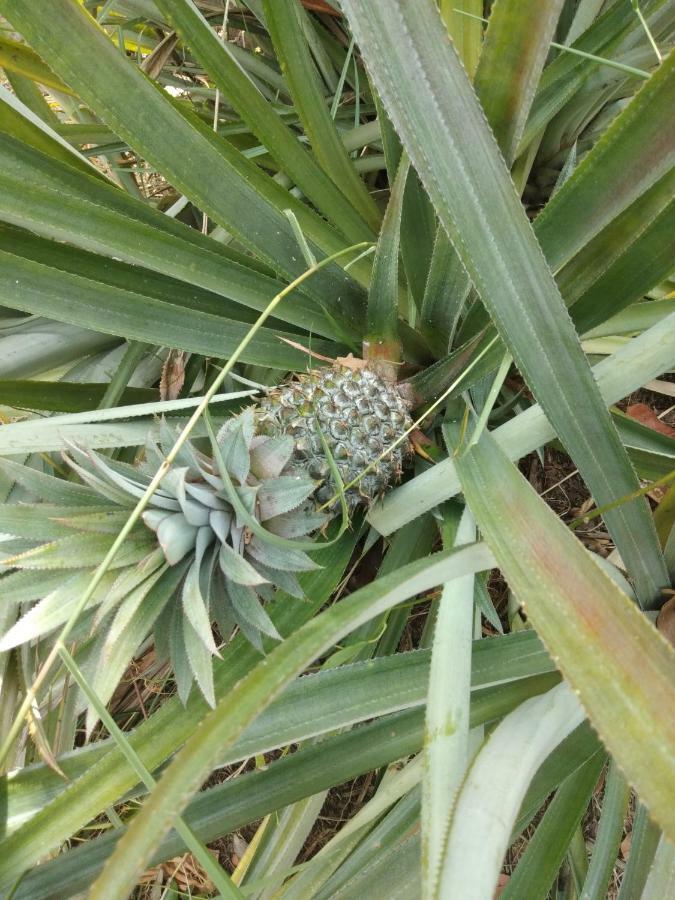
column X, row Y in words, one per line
column 154, row 62
column 303, row 349
column 173, row 375
column 351, row 362
column 185, row 871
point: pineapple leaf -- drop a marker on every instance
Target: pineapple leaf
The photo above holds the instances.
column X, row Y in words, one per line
column 24, row 586
column 283, row 494
column 247, row 606
column 80, row 551
column 182, row 671
column 53, row 610
column 49, row 488
column 194, row 603
column 129, row 628
column 270, row 456
column 236, row 568
column 249, row 520
column 200, row 660
column 41, row 522
column 280, row 557
column 176, row 537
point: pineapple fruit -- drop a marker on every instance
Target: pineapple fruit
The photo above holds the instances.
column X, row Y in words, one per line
column 221, row 532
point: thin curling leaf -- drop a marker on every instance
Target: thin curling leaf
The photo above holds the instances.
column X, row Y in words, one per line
column 618, row 663
column 451, row 147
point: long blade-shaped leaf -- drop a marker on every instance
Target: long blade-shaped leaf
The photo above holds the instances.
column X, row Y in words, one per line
column 545, row 852
column 280, row 140
column 517, row 42
column 311, row 706
column 51, row 292
column 283, row 19
column 155, row 740
column 48, row 197
column 636, row 363
column 383, row 296
column 231, row 189
column 618, row 663
column 239, row 801
column 636, row 151
column 494, row 788
column 446, row 738
column 255, row 691
column 446, row 136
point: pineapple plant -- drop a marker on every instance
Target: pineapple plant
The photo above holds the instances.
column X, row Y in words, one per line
column 221, row 532
column 515, row 185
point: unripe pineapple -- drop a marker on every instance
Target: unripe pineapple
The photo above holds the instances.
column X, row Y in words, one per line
column 360, row 416
column 221, row 532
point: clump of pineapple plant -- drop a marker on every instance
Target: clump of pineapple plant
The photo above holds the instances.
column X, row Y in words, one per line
column 223, row 530
column 474, row 195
